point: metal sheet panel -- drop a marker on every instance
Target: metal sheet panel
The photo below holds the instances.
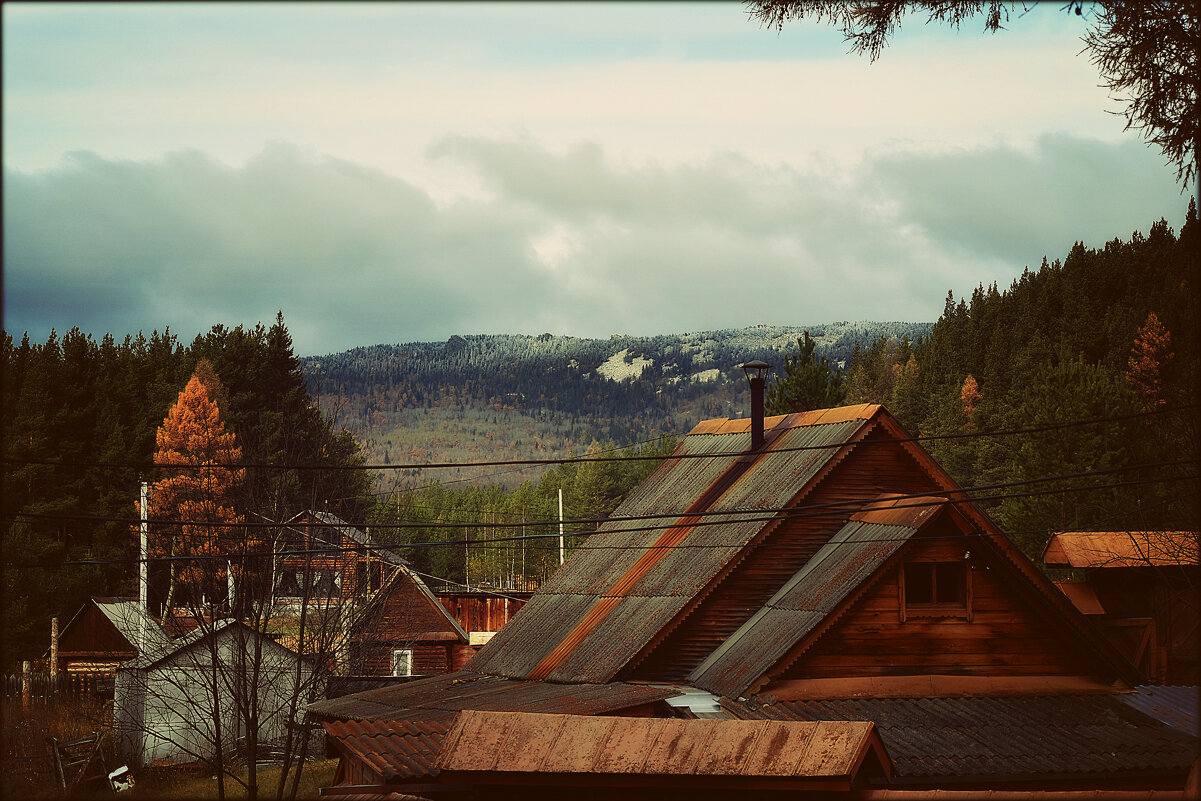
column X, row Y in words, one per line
column 1173, row 705
column 1085, row 549
column 439, row 697
column 540, row 625
column 839, row 568
column 480, row 743
column 1036, row 737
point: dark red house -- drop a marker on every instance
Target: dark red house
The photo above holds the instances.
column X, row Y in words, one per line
column 321, row 559
column 1148, row 587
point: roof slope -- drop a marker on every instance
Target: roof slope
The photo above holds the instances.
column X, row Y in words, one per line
column 397, row 750
column 440, row 697
column 351, row 533
column 500, row 746
column 1017, row 738
column 1122, row 549
column 839, row 569
column 618, row 591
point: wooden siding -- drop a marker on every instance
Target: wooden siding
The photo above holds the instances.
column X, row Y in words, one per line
column 92, row 637
column 479, row 612
column 865, row 473
column 1005, row 635
column 405, row 618
column 375, row 658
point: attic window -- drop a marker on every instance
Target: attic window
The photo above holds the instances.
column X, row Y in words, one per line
column 935, row 588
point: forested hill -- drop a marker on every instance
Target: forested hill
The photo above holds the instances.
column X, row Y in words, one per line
column 481, row 397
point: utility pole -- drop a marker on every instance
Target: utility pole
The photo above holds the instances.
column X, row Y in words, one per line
column 560, row 525
column 143, row 574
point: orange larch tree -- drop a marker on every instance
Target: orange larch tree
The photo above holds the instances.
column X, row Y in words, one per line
column 970, row 395
column 1152, row 350
column 193, row 503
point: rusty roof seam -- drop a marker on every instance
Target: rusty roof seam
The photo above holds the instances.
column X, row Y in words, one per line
column 844, row 449
column 820, row 627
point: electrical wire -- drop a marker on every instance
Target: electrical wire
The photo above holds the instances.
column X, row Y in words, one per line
column 740, row 515
column 584, row 459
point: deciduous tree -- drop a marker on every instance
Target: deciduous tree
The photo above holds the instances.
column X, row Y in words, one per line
column 195, row 494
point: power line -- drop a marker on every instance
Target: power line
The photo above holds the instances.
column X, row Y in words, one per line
column 742, row 516
column 675, row 514
column 583, row 459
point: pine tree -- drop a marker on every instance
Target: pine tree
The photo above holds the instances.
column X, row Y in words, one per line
column 808, row 382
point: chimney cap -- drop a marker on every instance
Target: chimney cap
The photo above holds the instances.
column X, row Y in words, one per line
column 756, row 369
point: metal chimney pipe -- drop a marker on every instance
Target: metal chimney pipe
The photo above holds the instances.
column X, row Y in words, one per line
column 756, row 376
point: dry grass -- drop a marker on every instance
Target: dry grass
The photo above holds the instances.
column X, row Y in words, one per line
column 190, row 783
column 26, row 764
column 27, row 767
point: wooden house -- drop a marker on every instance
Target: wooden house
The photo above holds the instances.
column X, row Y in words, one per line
column 826, row 571
column 167, row 700
column 322, row 560
column 404, row 631
column 105, row 633
column 1146, row 586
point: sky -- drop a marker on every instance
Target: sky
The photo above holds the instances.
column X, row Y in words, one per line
column 400, row 172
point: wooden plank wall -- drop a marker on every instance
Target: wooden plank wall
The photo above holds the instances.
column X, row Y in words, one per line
column 1006, row 635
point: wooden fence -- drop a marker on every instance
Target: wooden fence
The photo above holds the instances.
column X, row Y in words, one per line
column 42, row 688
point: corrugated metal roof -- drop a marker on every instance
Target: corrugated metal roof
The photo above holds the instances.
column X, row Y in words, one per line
column 129, row 618
column 1174, row 705
column 492, row 746
column 1016, row 737
column 397, row 750
column 440, row 697
column 840, row 567
column 611, row 598
column 1122, row 549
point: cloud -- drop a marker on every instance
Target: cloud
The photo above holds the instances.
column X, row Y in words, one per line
column 565, row 240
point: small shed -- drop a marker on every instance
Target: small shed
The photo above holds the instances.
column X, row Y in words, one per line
column 1146, row 583
column 176, row 704
column 104, row 633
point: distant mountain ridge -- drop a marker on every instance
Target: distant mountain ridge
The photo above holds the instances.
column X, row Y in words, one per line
column 510, row 396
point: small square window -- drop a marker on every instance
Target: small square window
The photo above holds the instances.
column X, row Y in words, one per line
column 935, row 584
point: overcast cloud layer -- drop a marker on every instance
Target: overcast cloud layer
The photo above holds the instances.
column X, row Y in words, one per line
column 538, row 187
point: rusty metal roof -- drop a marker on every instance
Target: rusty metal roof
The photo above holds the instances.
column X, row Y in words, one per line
column 1017, row 738
column 839, row 568
column 396, row 750
column 1122, row 549
column 485, row 747
column 613, row 596
column 440, row 697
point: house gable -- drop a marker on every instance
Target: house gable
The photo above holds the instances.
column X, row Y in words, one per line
column 988, row 626
column 873, row 466
column 406, row 616
column 631, row 580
